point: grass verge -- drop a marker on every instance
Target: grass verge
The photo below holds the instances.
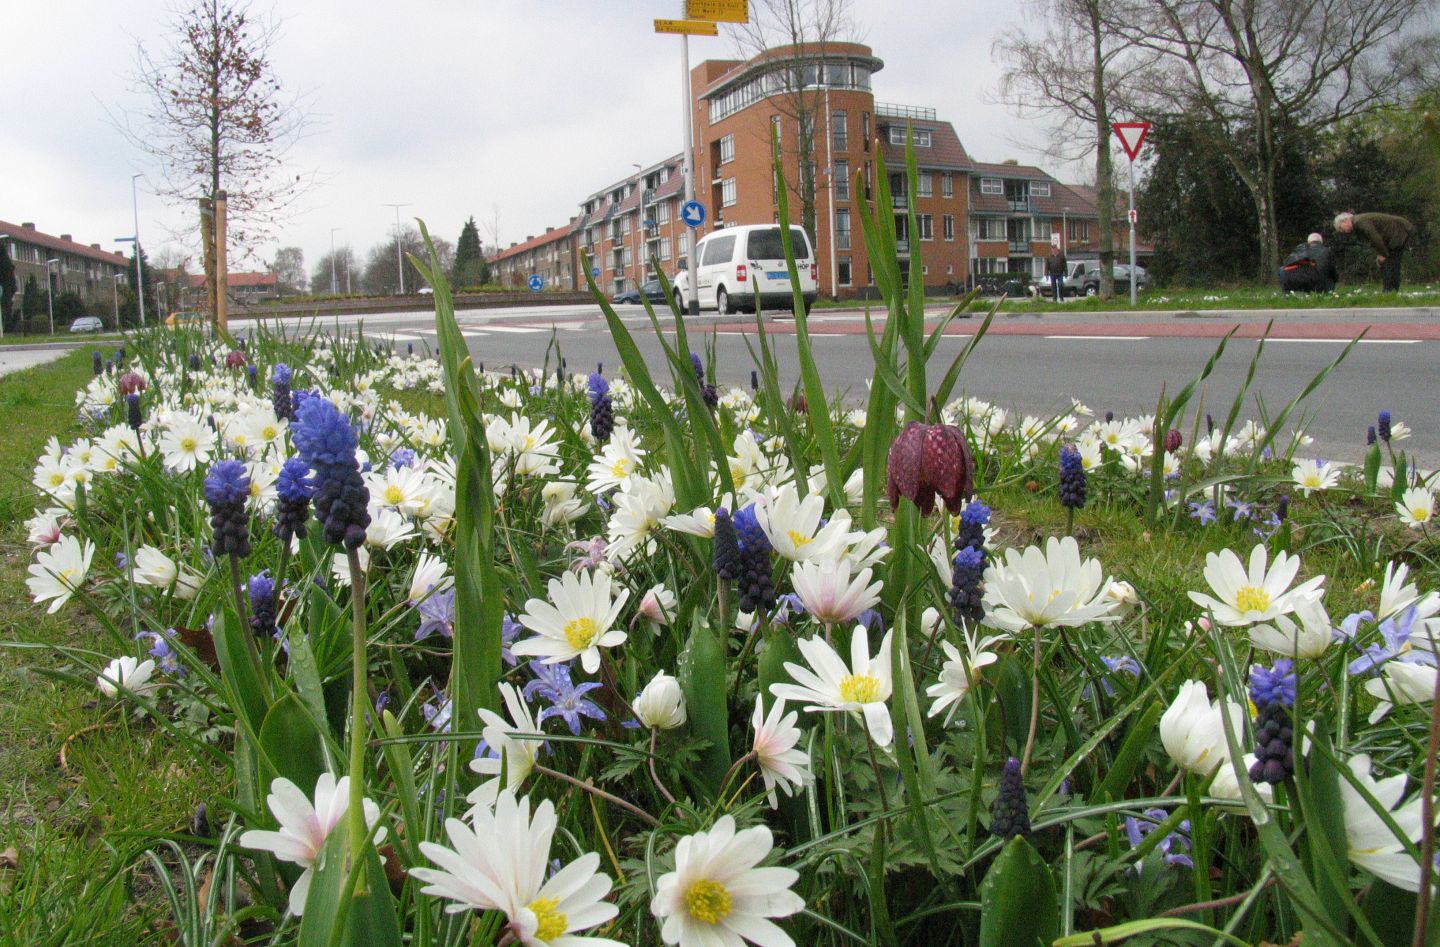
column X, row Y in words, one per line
column 75, row 827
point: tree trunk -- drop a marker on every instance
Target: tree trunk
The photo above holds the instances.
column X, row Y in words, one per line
column 1104, row 172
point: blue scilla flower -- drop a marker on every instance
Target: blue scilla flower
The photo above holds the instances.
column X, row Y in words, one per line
column 510, row 630
column 1124, row 664
column 403, row 457
column 1175, row 848
column 437, row 614
column 322, row 435
column 698, row 365
column 1204, row 511
column 567, row 699
column 161, row 649
column 227, row 488
column 598, row 386
column 1395, row 632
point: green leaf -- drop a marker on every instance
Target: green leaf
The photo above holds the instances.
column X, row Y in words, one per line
column 1391, row 912
column 702, row 678
column 240, row 669
column 1122, row 769
column 1018, row 906
column 342, row 908
column 1120, row 932
column 291, row 745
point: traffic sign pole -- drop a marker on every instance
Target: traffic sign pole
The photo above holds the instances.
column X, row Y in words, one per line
column 1132, row 139
column 693, row 303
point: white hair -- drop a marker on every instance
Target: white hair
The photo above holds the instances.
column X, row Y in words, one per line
column 1341, row 218
column 1315, row 238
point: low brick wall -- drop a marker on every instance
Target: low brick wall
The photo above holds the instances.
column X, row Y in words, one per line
column 383, row 304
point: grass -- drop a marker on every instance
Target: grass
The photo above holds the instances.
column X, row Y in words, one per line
column 14, row 338
column 1248, row 297
column 76, row 828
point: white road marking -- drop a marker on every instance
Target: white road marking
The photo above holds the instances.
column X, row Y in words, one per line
column 1362, row 341
column 401, row 337
column 517, row 330
column 1100, row 338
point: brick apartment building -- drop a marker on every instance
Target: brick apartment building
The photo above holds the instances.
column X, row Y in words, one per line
column 85, row 270
column 974, row 220
column 550, row 255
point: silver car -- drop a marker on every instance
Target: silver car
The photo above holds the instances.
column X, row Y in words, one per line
column 87, row 324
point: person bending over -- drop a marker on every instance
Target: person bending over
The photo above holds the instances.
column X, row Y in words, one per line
column 1388, row 234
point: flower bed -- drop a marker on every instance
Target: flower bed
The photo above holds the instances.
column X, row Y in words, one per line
column 561, row 656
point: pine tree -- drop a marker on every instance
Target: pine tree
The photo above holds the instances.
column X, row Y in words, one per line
column 32, row 303
column 471, row 268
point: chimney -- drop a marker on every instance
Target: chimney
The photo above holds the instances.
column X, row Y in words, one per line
column 28, row 225
column 529, row 236
column 1010, row 161
column 94, row 246
column 549, row 229
column 67, row 238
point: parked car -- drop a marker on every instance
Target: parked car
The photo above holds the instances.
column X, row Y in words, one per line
column 425, row 291
column 185, row 318
column 736, row 267
column 1084, row 278
column 87, row 324
column 651, row 289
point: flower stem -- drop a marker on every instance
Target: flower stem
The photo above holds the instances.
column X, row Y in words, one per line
column 1034, row 707
column 591, row 788
column 655, row 777
column 1427, row 819
column 355, row 814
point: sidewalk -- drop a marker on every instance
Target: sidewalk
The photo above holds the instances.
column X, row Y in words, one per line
column 15, row 360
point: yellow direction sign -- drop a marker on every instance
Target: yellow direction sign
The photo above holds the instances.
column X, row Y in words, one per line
column 718, row 11
column 692, row 27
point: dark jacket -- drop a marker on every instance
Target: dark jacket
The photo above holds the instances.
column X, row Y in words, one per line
column 1385, row 232
column 1310, row 267
column 1055, row 264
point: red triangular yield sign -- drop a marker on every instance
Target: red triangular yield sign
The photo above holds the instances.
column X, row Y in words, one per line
column 1132, row 136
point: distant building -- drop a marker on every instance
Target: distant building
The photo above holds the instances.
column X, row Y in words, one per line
column 974, row 220
column 239, row 287
column 551, row 256
column 85, row 270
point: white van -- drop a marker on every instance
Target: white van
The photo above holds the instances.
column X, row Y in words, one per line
column 730, row 267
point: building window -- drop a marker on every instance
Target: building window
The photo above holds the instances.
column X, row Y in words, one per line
column 664, row 253
column 625, row 257
column 949, row 224
column 865, row 134
column 777, row 127
column 992, row 186
column 927, row 226
column 727, row 149
column 921, row 136
column 839, row 135
column 947, row 185
column 842, row 230
column 1039, row 188
column 662, row 213
column 842, row 180
column 990, row 228
column 1080, row 231
column 842, row 271
column 727, row 192
column 924, row 184
column 867, row 180
column 682, row 246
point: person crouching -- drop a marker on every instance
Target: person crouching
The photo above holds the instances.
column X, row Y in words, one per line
column 1310, row 268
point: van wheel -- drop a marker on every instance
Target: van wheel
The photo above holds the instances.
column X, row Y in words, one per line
column 679, row 302
column 1092, row 290
column 722, row 302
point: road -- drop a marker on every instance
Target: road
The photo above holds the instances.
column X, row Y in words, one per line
column 1034, row 363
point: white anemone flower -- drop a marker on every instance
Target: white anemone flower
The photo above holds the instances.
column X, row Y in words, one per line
column 1401, row 682
column 718, row 897
column 1306, row 638
column 1257, row 595
column 699, row 521
column 431, row 575
column 153, row 568
column 500, row 865
column 1226, row 784
column 860, row 689
column 186, row 443
column 58, row 572
column 1192, row 731
column 387, row 528
column 127, row 673
column 1371, row 843
column 638, row 512
column 960, row 672
column 305, row 826
column 793, row 525
column 1312, row 475
column 1054, row 588
column 781, row 764
column 515, row 743
column 46, row 528
column 561, row 504
column 832, row 591
column 617, row 462
column 661, row 704
column 1416, row 507
column 658, row 605
column 576, row 622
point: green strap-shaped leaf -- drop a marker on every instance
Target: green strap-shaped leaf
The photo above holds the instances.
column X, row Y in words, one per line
column 702, row 678
column 1018, row 905
column 292, row 744
column 343, row 909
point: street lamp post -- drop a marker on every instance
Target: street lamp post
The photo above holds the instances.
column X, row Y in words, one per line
column 399, row 258
column 50, row 292
column 3, row 314
column 334, row 285
column 115, row 279
column 639, row 225
column 160, row 299
column 139, row 279
column 1065, row 231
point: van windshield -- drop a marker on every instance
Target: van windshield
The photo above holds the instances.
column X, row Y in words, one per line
column 765, row 244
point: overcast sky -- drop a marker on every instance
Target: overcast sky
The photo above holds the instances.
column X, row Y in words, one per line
column 508, row 109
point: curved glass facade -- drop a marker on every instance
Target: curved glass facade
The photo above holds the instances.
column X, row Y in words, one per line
column 780, row 78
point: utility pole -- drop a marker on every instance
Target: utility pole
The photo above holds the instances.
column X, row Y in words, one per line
column 693, row 303
column 399, row 258
column 139, row 278
column 334, row 286
column 50, row 292
column 115, row 292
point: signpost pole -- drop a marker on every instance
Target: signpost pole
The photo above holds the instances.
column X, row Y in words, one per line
column 693, row 303
column 1133, row 280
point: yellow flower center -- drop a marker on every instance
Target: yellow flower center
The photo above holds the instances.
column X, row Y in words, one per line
column 57, row 479
column 188, row 444
column 708, row 901
column 551, row 923
column 68, row 578
column 529, row 442
column 393, row 495
column 859, row 688
column 580, row 632
column 1251, row 599
column 800, row 540
column 269, row 433
column 1312, row 481
column 1420, row 513
column 621, row 467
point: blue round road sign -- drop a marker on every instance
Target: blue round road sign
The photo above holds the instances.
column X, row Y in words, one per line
column 595, row 272
column 537, row 282
column 692, row 213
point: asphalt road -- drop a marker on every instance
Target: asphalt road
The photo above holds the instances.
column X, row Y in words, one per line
column 1035, row 364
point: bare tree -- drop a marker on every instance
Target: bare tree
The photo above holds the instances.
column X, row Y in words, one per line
column 289, row 270
column 1070, row 72
column 1255, row 70
column 803, row 29
column 213, row 113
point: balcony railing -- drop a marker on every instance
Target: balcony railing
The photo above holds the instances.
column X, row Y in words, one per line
column 905, row 111
column 1019, row 246
column 902, row 246
column 842, row 240
column 899, row 201
column 1021, row 204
